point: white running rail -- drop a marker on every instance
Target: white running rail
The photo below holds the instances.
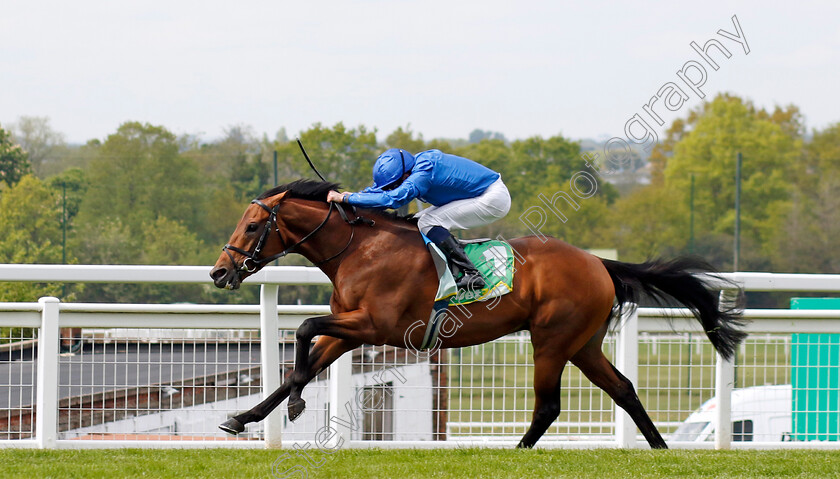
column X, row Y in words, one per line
column 48, row 315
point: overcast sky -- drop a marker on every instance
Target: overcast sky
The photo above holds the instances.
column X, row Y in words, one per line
column 445, row 67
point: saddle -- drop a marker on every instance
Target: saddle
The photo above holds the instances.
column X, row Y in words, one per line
column 494, row 259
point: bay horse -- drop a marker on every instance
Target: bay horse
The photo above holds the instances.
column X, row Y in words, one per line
column 384, row 281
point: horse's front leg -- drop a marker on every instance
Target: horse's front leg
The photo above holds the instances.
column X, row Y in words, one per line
column 326, row 350
column 354, row 326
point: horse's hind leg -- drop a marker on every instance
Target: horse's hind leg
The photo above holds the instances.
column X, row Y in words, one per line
column 326, row 350
column 548, row 368
column 592, row 362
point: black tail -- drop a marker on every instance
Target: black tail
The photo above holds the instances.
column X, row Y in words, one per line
column 660, row 280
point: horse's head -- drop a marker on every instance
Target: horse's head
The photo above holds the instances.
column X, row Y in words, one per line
column 253, row 244
column 259, row 239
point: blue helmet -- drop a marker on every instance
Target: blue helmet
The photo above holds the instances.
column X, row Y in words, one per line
column 390, row 166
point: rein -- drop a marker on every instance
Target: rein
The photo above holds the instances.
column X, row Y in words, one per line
column 271, row 224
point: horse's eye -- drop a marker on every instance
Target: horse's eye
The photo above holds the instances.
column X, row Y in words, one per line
column 251, row 228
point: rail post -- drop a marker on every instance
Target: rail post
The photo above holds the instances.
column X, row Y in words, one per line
column 724, row 380
column 341, row 396
column 627, row 361
column 724, row 383
column 270, row 359
column 46, row 400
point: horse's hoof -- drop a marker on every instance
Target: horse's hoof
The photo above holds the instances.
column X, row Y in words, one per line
column 232, row 426
column 296, row 408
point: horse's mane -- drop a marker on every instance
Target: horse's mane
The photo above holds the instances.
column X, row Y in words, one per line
column 317, row 191
column 304, row 189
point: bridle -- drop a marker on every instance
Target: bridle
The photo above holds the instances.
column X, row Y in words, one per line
column 271, row 224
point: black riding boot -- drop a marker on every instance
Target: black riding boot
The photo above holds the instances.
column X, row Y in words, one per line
column 460, row 263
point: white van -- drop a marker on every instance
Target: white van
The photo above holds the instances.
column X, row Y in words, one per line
column 759, row 414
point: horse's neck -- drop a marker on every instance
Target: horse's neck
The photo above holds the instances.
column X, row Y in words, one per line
column 379, row 249
column 385, row 235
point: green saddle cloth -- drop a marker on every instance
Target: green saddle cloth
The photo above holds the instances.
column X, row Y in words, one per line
column 494, row 260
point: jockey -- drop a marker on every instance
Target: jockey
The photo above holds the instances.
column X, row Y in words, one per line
column 463, row 194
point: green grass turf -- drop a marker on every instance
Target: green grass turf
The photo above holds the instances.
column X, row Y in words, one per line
column 457, row 463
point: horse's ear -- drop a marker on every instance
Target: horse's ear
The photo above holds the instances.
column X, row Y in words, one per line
column 272, row 201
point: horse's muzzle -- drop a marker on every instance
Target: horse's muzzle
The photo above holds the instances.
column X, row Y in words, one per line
column 225, row 278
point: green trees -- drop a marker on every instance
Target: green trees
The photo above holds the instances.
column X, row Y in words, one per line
column 43, row 144
column 138, row 176
column 404, row 138
column 239, row 160
column 727, row 126
column 343, row 155
column 539, row 162
column 809, row 239
column 649, row 223
column 14, row 163
column 705, row 145
column 30, row 223
column 144, row 204
column 535, row 170
column 71, row 185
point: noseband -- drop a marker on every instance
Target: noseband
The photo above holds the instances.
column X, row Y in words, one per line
column 256, row 262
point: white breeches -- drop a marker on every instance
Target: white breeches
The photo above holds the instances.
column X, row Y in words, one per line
column 482, row 210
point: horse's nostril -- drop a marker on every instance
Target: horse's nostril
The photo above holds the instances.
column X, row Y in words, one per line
column 218, row 273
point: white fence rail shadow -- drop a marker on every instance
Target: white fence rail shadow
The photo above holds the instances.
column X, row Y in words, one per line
column 451, row 423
